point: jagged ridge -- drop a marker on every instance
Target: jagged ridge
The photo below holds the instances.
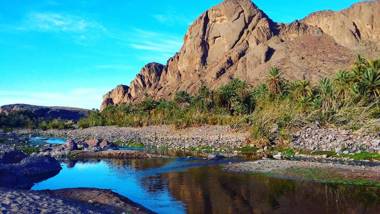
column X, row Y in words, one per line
column 235, row 39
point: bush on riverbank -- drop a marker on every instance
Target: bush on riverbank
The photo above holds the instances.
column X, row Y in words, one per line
column 26, row 119
column 350, row 99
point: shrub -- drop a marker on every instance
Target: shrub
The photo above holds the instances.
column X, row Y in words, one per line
column 349, row 99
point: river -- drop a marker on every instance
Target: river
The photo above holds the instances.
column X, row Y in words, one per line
column 186, row 185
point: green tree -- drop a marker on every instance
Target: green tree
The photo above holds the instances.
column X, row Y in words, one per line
column 204, row 99
column 301, row 89
column 343, row 82
column 148, row 105
column 182, row 97
column 275, row 81
column 326, row 95
column 260, row 91
column 236, row 97
column 369, row 84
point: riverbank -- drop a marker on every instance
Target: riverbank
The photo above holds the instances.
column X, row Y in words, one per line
column 213, row 138
column 20, row 171
column 224, row 139
column 101, row 143
column 67, row 201
column 323, row 172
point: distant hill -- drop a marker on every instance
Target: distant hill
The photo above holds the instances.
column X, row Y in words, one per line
column 236, row 39
column 45, row 112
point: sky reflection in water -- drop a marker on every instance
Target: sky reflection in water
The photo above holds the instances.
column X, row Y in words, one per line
column 198, row 186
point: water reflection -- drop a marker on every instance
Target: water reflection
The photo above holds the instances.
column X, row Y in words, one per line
column 47, row 140
column 179, row 186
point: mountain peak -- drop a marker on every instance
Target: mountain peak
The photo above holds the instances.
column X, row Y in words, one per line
column 235, row 39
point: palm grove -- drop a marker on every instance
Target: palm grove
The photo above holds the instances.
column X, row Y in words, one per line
column 350, row 100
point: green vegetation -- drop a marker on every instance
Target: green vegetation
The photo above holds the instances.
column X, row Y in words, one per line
column 248, row 150
column 55, row 124
column 18, row 119
column 287, row 152
column 202, row 149
column 130, row 143
column 271, row 110
column 26, row 119
column 290, row 153
column 363, row 156
column 28, row 149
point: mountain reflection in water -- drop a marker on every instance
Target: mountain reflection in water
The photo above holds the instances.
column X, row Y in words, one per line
column 199, row 186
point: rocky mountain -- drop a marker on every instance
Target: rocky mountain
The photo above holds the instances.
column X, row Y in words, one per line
column 48, row 113
column 235, row 39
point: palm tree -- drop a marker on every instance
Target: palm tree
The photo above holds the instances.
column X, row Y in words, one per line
column 301, row 89
column 360, row 66
column 374, row 64
column 367, row 79
column 326, row 94
column 370, row 83
column 260, row 91
column 343, row 85
column 275, row 81
column 204, row 99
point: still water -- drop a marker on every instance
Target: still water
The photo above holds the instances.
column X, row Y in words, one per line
column 200, row 186
column 44, row 140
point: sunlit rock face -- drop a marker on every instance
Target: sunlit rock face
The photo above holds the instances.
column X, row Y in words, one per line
column 235, row 39
column 354, row 28
column 145, row 83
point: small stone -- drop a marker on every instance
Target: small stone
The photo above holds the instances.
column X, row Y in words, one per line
column 278, row 156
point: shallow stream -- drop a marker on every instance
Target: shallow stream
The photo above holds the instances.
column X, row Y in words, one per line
column 185, row 185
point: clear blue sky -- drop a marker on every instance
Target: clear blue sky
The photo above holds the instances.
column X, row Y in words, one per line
column 72, row 52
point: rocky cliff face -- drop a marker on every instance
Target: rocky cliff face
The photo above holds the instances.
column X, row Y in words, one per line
column 356, row 28
column 235, row 39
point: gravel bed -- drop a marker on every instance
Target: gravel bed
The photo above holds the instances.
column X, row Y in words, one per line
column 79, row 200
column 314, row 138
column 280, row 167
column 163, row 136
column 17, row 201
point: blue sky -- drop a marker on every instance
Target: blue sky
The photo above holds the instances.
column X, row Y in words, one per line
column 71, row 52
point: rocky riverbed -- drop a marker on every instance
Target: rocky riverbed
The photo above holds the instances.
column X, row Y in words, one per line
column 102, row 142
column 315, row 138
column 216, row 137
column 221, row 138
column 67, row 201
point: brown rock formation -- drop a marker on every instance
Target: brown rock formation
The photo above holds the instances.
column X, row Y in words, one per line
column 235, row 39
column 354, row 28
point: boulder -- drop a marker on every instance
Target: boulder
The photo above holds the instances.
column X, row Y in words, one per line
column 278, row 156
column 28, row 171
column 11, row 156
column 71, row 145
column 92, row 143
column 38, row 168
column 104, row 145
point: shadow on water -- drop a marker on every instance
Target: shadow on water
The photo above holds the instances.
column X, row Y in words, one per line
column 200, row 186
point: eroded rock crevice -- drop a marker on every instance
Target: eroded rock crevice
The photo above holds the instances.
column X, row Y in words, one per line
column 236, row 39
